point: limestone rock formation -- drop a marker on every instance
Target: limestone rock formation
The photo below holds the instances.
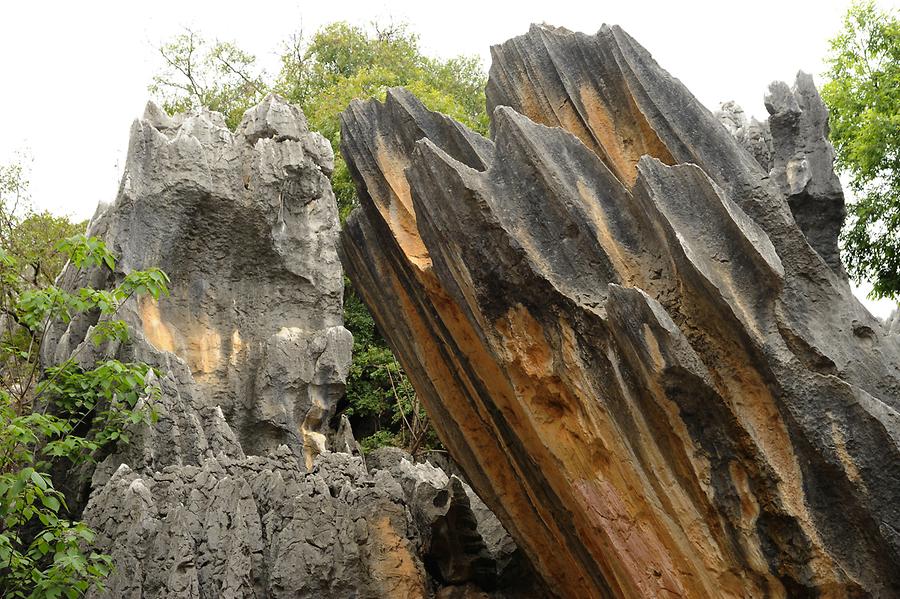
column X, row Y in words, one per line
column 793, row 147
column 636, row 343
column 753, row 135
column 803, row 164
column 242, row 489
column 246, row 226
column 262, row 526
column 893, row 323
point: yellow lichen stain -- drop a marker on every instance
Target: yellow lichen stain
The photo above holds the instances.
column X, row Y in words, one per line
column 155, row 330
column 747, row 537
column 196, row 343
column 623, row 262
column 749, row 505
column 621, row 137
column 840, row 445
column 314, row 442
column 204, row 350
column 237, row 345
column 525, row 341
column 613, row 149
column 397, row 209
column 650, row 342
column 393, row 566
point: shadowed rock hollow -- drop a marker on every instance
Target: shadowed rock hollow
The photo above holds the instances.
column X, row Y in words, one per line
column 631, row 328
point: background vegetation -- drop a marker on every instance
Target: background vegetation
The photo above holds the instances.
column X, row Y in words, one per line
column 863, row 96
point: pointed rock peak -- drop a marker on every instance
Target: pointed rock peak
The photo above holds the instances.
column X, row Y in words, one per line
column 206, row 126
column 502, row 118
column 401, row 95
column 804, row 81
column 274, row 117
column 536, row 27
column 780, row 99
column 156, row 116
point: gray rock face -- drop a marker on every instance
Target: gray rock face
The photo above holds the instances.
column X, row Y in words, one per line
column 630, row 336
column 264, row 526
column 462, row 541
column 803, row 164
column 245, row 225
column 241, row 489
column 754, row 136
column 793, row 147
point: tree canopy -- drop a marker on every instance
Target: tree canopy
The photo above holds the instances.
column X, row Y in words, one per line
column 31, row 236
column 342, row 62
column 218, row 75
column 863, row 96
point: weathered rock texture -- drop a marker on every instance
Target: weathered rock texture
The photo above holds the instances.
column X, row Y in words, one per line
column 236, row 491
column 648, row 366
column 754, row 136
column 245, row 225
column 263, row 526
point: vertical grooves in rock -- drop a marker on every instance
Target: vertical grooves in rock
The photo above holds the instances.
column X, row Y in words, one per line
column 641, row 357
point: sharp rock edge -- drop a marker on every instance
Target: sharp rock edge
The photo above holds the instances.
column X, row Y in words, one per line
column 631, row 328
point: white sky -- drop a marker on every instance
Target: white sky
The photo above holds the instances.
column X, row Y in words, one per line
column 74, row 74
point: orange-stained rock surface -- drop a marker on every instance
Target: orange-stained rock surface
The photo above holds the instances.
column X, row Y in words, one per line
column 650, row 369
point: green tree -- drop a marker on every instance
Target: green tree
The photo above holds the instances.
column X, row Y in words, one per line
column 217, row 75
column 380, row 397
column 65, row 415
column 342, row 62
column 863, row 96
column 28, row 235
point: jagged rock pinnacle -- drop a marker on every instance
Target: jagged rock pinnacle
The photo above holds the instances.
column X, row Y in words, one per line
column 638, row 345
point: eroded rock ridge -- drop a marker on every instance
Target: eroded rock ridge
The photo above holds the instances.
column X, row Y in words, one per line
column 632, row 330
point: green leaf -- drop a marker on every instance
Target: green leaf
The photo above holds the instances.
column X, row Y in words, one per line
column 863, row 97
column 50, row 502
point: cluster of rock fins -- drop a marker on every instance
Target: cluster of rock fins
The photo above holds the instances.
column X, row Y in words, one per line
column 632, row 328
column 626, row 316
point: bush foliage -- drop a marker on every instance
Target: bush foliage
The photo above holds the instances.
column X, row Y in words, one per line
column 63, row 415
